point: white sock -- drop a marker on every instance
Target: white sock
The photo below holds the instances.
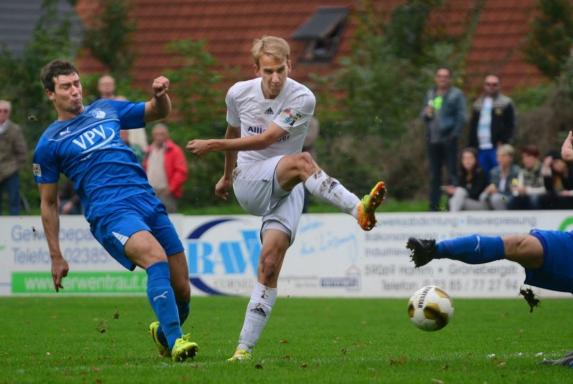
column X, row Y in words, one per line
column 329, row 189
column 258, row 312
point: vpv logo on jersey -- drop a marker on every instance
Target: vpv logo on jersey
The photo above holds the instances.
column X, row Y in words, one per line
column 223, row 255
column 95, row 138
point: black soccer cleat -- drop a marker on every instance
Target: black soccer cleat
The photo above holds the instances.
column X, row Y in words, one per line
column 423, row 251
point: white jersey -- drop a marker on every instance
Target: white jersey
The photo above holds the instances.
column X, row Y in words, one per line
column 292, row 110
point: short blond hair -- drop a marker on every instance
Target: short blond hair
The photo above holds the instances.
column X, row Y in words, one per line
column 270, row 45
column 505, row 149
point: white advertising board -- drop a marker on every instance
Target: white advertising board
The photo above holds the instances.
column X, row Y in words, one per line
column 330, row 256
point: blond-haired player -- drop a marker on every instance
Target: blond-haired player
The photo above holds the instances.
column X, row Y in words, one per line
column 268, row 119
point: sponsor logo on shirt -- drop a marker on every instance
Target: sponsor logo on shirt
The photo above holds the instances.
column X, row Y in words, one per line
column 95, row 138
column 256, row 129
column 289, row 116
column 269, row 111
column 66, row 132
column 98, row 113
column 36, row 170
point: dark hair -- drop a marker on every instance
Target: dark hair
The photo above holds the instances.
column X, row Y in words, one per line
column 464, row 173
column 54, row 69
column 530, row 150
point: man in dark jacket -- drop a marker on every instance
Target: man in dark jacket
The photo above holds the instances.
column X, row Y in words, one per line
column 492, row 123
column 444, row 115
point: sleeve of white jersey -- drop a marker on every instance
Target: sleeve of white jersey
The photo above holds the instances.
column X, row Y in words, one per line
column 298, row 112
column 233, row 117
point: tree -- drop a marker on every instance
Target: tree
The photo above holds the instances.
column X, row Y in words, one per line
column 195, row 85
column 549, row 41
column 109, row 39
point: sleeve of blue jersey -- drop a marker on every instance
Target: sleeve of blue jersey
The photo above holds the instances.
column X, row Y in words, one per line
column 131, row 115
column 45, row 166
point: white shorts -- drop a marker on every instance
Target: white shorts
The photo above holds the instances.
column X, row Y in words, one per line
column 259, row 193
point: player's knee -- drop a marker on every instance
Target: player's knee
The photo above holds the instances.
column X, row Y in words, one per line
column 305, row 163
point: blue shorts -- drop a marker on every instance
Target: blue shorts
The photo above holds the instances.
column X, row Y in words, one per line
column 557, row 270
column 142, row 212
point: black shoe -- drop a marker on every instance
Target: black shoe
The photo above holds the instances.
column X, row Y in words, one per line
column 423, row 251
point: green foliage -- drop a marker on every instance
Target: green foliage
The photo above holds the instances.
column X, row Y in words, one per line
column 109, row 37
column 530, row 98
column 307, row 340
column 551, row 35
column 195, row 84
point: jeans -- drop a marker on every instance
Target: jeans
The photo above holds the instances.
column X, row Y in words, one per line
column 440, row 154
column 11, row 184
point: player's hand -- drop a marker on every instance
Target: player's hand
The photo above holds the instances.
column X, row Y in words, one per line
column 160, row 86
column 222, row 188
column 567, row 148
column 199, row 147
column 60, row 270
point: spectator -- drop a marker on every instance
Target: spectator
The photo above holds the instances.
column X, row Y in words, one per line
column 13, row 153
column 444, row 115
column 465, row 196
column 166, row 167
column 558, row 181
column 502, row 178
column 308, row 146
column 106, row 89
column 137, row 150
column 530, row 186
column 492, row 123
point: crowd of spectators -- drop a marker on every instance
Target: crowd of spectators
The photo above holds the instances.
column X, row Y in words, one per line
column 488, row 175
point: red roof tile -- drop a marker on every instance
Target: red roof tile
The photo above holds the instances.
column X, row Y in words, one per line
column 229, row 26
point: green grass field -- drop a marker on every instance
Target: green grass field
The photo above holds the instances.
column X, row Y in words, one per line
column 104, row 340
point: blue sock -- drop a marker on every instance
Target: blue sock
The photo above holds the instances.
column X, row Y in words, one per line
column 162, row 300
column 473, row 249
column 183, row 307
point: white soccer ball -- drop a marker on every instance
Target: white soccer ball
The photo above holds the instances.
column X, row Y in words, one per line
column 430, row 308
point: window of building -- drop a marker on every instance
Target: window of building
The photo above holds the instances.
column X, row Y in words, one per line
column 322, row 33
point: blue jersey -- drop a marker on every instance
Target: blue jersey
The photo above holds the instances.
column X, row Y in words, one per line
column 90, row 152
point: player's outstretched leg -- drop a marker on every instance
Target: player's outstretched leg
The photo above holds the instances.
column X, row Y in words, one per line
column 366, row 217
column 329, row 189
column 473, row 249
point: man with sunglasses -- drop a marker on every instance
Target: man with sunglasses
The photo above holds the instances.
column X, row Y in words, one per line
column 492, row 122
column 13, row 154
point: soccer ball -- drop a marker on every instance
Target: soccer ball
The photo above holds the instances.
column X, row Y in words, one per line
column 430, row 308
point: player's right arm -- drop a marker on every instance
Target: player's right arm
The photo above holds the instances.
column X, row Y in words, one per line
column 224, row 184
column 51, row 224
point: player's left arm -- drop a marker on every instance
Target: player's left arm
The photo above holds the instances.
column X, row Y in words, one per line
column 159, row 106
column 567, row 148
column 51, row 224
